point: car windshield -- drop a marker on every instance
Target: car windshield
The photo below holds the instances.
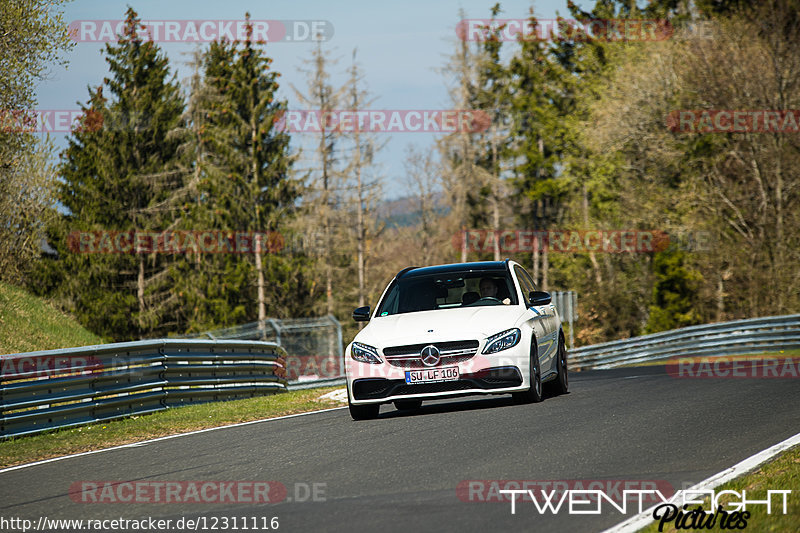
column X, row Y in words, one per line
column 448, row 290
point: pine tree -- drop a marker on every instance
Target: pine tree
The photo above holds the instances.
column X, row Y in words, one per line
column 118, row 176
column 243, row 184
column 674, row 297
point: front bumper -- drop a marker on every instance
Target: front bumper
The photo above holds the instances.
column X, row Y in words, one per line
column 491, row 380
column 498, row 373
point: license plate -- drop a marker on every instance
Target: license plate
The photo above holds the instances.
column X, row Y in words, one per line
column 432, row 375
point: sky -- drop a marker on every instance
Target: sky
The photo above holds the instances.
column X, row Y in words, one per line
column 400, row 48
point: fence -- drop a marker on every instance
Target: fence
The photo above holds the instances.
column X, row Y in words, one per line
column 63, row 388
column 753, row 335
column 313, row 346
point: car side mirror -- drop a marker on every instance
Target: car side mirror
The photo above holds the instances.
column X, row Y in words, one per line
column 539, row 298
column 361, row 314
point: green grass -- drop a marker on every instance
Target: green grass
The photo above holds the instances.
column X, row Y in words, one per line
column 782, row 473
column 172, row 421
column 28, row 323
column 778, row 355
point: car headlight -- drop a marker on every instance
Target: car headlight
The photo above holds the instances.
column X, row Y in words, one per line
column 502, row 341
column 364, row 353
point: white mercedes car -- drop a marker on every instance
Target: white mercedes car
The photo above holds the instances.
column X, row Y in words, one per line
column 452, row 330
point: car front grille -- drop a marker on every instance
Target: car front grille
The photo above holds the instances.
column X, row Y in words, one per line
column 450, row 352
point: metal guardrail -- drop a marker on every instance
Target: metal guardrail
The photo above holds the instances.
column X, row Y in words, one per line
column 752, row 335
column 62, row 388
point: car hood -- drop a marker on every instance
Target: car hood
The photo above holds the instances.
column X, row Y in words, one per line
column 447, row 325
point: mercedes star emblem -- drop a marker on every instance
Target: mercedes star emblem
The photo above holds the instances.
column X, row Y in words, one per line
column 430, row 355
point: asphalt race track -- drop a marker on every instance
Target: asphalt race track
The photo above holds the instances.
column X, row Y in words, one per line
column 400, row 472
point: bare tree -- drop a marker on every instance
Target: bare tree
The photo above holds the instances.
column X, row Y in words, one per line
column 27, row 202
column 459, row 150
column 424, row 172
column 365, row 193
column 322, row 98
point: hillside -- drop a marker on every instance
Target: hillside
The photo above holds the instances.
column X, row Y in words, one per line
column 28, row 323
column 404, row 211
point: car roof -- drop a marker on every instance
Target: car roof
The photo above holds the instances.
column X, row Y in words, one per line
column 477, row 266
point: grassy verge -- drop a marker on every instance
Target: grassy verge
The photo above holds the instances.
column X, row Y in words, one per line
column 736, row 357
column 28, row 323
column 783, row 473
column 179, row 420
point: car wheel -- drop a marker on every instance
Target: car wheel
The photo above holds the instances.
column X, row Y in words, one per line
column 407, row 405
column 363, row 412
column 534, row 394
column 561, row 383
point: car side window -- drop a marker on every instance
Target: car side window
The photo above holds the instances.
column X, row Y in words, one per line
column 525, row 284
column 529, row 278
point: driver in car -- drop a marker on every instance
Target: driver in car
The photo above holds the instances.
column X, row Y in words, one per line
column 488, row 288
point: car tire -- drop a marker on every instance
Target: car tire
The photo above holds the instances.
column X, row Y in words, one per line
column 407, row 405
column 363, row 412
column 534, row 393
column 560, row 385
